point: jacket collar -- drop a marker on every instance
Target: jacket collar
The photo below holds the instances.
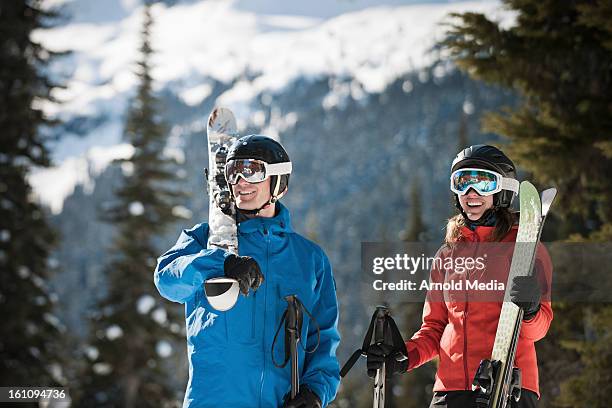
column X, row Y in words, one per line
column 482, row 233
column 281, row 222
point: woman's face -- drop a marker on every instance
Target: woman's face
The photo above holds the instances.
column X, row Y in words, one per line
column 475, row 205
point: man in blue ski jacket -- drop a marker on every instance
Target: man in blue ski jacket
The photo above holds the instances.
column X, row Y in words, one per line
column 230, row 353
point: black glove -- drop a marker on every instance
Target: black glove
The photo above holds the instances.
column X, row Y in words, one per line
column 396, row 362
column 526, row 294
column 245, row 270
column 306, row 398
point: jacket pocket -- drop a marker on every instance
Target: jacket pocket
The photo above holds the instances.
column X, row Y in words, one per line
column 205, row 325
column 241, row 319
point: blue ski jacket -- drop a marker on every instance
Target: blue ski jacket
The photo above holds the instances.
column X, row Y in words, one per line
column 230, row 361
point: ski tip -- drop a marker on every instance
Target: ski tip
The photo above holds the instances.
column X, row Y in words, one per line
column 222, row 120
column 530, row 205
column 526, row 185
column 548, row 196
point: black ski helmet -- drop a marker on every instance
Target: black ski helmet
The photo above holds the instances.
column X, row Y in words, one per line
column 490, row 158
column 266, row 149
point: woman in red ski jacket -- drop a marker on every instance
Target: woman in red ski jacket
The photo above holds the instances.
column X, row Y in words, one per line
column 459, row 326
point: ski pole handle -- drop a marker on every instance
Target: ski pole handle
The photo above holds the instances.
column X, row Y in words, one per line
column 293, row 327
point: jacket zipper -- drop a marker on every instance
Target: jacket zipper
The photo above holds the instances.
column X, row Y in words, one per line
column 465, row 325
column 253, row 315
column 267, row 269
column 465, row 364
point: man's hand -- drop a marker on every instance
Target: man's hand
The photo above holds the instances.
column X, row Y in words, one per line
column 245, row 270
column 306, row 398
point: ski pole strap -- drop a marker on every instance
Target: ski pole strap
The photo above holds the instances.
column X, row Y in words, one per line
column 314, row 321
column 295, row 306
column 287, row 355
column 389, row 329
column 362, row 351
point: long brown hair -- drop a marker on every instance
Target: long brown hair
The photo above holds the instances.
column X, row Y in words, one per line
column 505, row 220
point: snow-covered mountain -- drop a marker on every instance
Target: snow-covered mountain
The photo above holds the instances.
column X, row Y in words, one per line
column 363, row 107
column 254, row 48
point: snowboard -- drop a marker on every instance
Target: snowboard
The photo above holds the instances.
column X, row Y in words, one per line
column 497, row 379
column 221, row 133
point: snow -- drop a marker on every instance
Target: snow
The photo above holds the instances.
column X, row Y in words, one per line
column 54, row 321
column 114, row 332
column 40, row 300
column 102, row 368
column 181, row 212
column 163, row 348
column 407, row 86
column 38, row 282
column 145, row 303
column 54, row 184
column 195, row 95
column 53, row 297
column 92, row 353
column 23, row 272
column 369, row 42
column 160, row 315
column 136, row 208
column 468, row 107
column 127, row 168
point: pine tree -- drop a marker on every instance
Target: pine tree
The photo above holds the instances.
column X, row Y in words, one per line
column 415, row 226
column 462, row 138
column 30, row 334
column 133, row 331
column 557, row 56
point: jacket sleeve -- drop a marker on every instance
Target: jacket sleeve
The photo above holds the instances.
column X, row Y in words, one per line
column 321, row 369
column 536, row 328
column 425, row 343
column 181, row 271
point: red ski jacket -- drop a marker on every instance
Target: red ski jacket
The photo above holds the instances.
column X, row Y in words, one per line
column 462, row 332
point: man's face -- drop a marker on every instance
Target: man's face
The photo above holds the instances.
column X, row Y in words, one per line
column 250, row 196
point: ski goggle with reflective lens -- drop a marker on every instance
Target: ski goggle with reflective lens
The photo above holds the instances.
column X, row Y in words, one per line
column 484, row 182
column 254, row 171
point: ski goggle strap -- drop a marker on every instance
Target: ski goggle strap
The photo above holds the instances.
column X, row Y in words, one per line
column 254, row 171
column 485, row 182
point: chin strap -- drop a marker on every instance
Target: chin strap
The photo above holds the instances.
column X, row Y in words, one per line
column 488, row 219
column 256, row 211
column 253, row 213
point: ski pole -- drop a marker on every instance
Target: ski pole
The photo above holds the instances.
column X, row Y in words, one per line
column 383, row 330
column 293, row 320
column 292, row 325
column 382, row 313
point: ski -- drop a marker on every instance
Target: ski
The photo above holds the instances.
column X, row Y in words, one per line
column 221, row 133
column 497, row 379
column 222, row 293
